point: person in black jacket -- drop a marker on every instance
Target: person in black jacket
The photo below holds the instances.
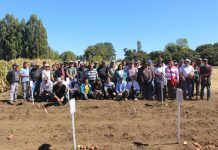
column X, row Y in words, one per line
column 13, row 77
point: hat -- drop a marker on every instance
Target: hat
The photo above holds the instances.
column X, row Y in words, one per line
column 200, row 59
column 188, row 60
column 45, row 78
column 95, row 62
column 15, row 64
column 59, row 80
column 205, row 59
column 37, row 64
column 47, row 65
column 149, row 61
column 99, row 79
column 70, row 62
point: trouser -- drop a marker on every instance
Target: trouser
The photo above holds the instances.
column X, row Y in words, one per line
column 171, row 90
column 124, row 95
column 160, row 91
column 205, row 84
column 187, row 88
column 196, row 87
column 32, row 89
column 13, row 91
column 75, row 94
column 25, row 89
column 86, row 96
column 133, row 94
column 147, row 90
column 46, row 96
column 93, row 84
column 109, row 92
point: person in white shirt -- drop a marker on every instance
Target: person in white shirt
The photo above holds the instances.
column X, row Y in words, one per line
column 186, row 72
column 25, row 73
column 46, row 87
column 160, row 80
column 133, row 88
column 46, row 72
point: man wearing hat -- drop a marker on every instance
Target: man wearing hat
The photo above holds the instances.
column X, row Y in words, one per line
column 46, row 89
column 187, row 75
column 205, row 75
column 59, row 92
column 13, row 77
column 46, row 72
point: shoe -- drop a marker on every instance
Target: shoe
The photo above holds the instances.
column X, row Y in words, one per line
column 197, row 98
column 10, row 103
column 125, row 99
column 135, row 99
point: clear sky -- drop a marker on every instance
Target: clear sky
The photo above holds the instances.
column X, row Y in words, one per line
column 76, row 24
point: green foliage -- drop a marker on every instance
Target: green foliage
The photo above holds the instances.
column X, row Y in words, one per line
column 209, row 51
column 68, row 56
column 132, row 54
column 22, row 39
column 100, row 51
column 139, row 46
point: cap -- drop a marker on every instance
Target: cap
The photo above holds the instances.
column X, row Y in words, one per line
column 188, row 60
column 15, row 64
column 59, row 80
column 205, row 59
column 47, row 65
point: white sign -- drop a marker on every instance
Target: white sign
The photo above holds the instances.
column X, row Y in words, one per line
column 72, row 106
column 31, row 84
column 68, row 80
column 179, row 95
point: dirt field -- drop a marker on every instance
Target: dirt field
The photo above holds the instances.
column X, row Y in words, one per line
column 112, row 125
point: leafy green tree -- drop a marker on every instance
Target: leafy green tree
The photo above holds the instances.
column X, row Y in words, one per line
column 37, row 45
column 182, row 42
column 100, row 51
column 139, row 46
column 68, row 56
column 132, row 54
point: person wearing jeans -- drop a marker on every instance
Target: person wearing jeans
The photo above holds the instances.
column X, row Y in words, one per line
column 24, row 73
column 13, row 77
column 187, row 74
column 205, row 74
column 121, row 89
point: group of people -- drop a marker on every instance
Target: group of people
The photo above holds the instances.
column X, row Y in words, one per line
column 129, row 80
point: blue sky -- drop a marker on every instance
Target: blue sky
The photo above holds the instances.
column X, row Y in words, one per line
column 76, row 24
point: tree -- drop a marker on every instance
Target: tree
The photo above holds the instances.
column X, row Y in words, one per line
column 182, row 42
column 139, row 46
column 132, row 54
column 68, row 56
column 100, row 51
column 37, row 45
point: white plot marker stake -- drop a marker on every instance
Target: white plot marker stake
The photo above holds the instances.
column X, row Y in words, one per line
column 72, row 111
column 179, row 97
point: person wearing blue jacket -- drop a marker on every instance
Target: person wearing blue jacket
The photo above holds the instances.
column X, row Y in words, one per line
column 121, row 90
column 86, row 90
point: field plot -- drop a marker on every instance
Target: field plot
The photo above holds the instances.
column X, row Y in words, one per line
column 111, row 125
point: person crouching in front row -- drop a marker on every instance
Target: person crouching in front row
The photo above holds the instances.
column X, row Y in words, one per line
column 86, row 90
column 98, row 94
column 59, row 92
column 134, row 88
column 121, row 89
column 109, row 89
column 46, row 89
column 75, row 90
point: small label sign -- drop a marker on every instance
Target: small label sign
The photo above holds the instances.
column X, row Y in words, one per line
column 72, row 106
column 179, row 95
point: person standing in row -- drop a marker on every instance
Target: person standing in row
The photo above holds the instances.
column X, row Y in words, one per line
column 13, row 77
column 25, row 73
column 172, row 75
column 205, row 75
column 71, row 71
column 187, row 75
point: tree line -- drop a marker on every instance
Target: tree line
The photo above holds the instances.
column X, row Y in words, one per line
column 28, row 39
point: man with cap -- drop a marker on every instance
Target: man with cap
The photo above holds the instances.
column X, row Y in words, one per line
column 59, row 92
column 187, row 75
column 13, row 77
column 46, row 72
column 46, row 89
column 24, row 73
column 205, row 75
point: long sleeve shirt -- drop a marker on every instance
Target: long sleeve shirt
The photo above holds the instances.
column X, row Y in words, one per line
column 172, row 72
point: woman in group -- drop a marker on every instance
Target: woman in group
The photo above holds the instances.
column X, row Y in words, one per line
column 160, row 80
column 86, row 90
column 120, row 73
